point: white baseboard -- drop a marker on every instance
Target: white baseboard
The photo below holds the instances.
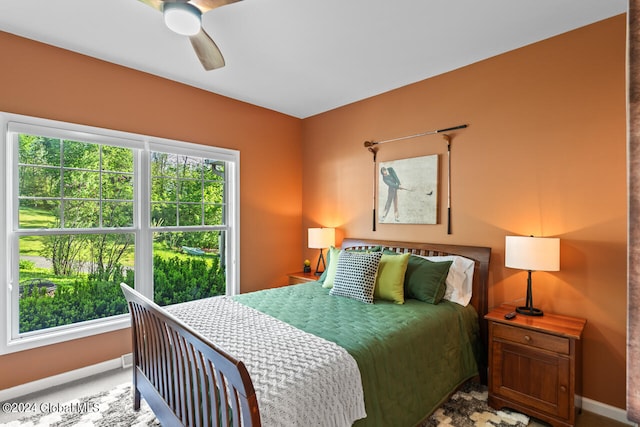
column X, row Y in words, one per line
column 605, row 410
column 127, row 360
column 124, row 361
column 66, row 377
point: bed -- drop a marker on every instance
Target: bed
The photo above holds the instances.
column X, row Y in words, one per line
column 196, row 364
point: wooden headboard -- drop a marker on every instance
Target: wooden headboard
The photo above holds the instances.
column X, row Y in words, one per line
column 480, row 255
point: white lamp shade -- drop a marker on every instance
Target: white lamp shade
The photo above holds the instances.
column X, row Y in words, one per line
column 532, row 253
column 320, row 238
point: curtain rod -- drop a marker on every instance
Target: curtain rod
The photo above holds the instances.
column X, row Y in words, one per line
column 433, row 132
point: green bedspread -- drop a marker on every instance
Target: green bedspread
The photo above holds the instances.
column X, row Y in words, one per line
column 411, row 356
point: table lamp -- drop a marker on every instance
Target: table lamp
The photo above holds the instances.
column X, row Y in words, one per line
column 321, row 238
column 532, row 254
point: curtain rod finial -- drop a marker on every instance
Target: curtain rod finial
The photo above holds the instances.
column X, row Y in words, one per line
column 374, row 151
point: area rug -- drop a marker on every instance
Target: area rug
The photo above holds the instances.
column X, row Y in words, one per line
column 106, row 409
column 466, row 408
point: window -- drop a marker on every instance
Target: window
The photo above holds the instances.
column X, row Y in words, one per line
column 87, row 209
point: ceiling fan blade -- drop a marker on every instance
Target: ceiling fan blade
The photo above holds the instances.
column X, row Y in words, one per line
column 207, row 5
column 156, row 4
column 207, row 51
column 203, row 5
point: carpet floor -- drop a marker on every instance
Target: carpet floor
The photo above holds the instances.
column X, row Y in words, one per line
column 466, row 408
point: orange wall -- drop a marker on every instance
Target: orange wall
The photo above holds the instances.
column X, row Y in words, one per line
column 544, row 154
column 43, row 81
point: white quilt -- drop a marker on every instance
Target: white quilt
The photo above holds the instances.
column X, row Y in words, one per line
column 299, row 378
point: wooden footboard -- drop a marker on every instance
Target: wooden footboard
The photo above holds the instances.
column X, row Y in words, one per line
column 185, row 379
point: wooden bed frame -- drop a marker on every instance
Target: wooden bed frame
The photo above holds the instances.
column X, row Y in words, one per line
column 187, row 380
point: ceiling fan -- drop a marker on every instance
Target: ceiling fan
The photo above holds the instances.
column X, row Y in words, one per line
column 185, row 17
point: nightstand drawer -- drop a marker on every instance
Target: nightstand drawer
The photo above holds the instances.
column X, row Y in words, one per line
column 532, row 338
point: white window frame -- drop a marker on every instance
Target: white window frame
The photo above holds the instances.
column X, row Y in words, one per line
column 10, row 340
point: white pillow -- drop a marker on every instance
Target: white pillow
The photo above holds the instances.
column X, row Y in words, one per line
column 459, row 280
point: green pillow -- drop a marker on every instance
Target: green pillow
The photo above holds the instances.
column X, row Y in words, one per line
column 368, row 250
column 329, row 274
column 425, row 280
column 390, row 279
column 390, row 252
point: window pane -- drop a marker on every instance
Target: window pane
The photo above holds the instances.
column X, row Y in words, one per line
column 81, row 214
column 117, row 186
column 38, row 150
column 188, row 266
column 213, row 215
column 163, row 189
column 189, row 167
column 189, row 214
column 117, row 214
column 213, row 192
column 163, row 164
column 37, row 181
column 81, row 184
column 199, row 185
column 190, row 191
column 81, row 155
column 164, row 214
column 72, row 278
column 117, row 159
column 214, row 170
column 86, row 182
column 39, row 214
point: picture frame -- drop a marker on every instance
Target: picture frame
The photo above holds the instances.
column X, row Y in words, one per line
column 408, row 190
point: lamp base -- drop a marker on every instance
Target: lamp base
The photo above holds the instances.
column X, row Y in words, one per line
column 319, row 272
column 529, row 311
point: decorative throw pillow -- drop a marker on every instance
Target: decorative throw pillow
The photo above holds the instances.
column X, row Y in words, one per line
column 390, row 280
column 329, row 274
column 459, row 280
column 367, row 250
column 356, row 275
column 426, row 280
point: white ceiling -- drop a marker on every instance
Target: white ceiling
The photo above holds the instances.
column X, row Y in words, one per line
column 304, row 57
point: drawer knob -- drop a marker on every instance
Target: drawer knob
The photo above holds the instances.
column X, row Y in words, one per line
column 563, row 388
column 527, row 338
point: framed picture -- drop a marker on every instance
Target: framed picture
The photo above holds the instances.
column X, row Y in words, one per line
column 408, row 191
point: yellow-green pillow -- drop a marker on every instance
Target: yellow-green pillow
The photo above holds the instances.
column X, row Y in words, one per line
column 333, row 254
column 390, row 279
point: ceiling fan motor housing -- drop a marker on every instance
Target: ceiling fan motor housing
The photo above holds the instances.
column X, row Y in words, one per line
column 182, row 18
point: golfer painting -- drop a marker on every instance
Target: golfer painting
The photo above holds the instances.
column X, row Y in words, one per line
column 393, row 183
column 410, row 188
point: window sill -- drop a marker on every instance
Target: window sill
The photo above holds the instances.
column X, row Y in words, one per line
column 62, row 334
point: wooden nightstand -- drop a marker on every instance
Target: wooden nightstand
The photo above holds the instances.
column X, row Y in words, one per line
column 302, row 277
column 535, row 364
